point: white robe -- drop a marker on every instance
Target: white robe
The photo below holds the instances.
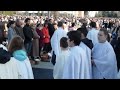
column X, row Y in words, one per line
column 60, row 61
column 88, row 56
column 25, row 69
column 9, row 70
column 76, row 66
column 93, row 35
column 55, row 40
column 105, row 61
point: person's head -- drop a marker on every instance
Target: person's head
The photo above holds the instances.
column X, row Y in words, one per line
column 102, row 35
column 118, row 32
column 55, row 26
column 63, row 43
column 73, row 24
column 74, row 38
column 46, row 24
column 16, row 43
column 33, row 26
column 18, row 22
column 40, row 26
column 12, row 24
column 83, row 32
column 60, row 24
column 93, row 24
column 27, row 21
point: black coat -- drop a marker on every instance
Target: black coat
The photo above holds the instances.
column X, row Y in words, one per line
column 51, row 29
column 4, row 56
column 28, row 33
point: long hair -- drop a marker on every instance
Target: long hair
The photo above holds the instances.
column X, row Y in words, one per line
column 16, row 44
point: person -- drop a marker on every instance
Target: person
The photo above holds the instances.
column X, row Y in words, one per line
column 40, row 33
column 76, row 66
column 11, row 31
column 19, row 29
column 46, row 39
column 117, row 49
column 55, row 41
column 35, row 44
column 8, row 67
column 87, row 45
column 103, row 58
column 16, row 48
column 61, row 59
column 51, row 27
column 28, row 36
column 93, row 33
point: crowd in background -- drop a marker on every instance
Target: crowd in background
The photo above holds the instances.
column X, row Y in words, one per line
column 23, row 38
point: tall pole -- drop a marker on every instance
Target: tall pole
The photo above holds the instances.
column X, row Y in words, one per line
column 48, row 14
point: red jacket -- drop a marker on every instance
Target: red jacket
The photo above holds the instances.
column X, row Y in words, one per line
column 46, row 35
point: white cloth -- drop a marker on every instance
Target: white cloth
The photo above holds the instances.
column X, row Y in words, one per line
column 93, row 35
column 2, row 46
column 25, row 69
column 60, row 61
column 88, row 56
column 55, row 40
column 76, row 66
column 9, row 70
column 105, row 61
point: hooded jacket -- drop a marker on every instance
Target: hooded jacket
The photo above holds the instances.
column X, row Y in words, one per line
column 4, row 56
column 20, row 55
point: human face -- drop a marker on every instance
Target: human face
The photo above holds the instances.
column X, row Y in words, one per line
column 28, row 23
column 13, row 25
column 70, row 43
column 102, row 37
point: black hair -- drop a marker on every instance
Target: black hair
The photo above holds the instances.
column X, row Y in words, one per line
column 73, row 24
column 60, row 24
column 27, row 19
column 46, row 23
column 93, row 24
column 74, row 36
column 11, row 22
column 63, row 42
column 84, row 31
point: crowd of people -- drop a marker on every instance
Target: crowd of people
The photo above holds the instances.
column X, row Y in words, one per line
column 78, row 48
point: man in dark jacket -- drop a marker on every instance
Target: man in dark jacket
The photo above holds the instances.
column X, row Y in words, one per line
column 27, row 30
column 51, row 27
column 19, row 29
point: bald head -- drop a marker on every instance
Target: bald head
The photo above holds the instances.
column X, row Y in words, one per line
column 18, row 22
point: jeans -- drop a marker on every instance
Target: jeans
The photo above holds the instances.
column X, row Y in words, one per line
column 28, row 47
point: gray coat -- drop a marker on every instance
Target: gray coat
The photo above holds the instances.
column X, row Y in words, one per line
column 11, row 34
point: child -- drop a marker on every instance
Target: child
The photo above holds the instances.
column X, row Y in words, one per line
column 61, row 59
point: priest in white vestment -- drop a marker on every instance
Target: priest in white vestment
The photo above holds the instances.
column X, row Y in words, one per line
column 76, row 66
column 104, row 59
column 93, row 33
column 55, row 40
column 61, row 59
column 87, row 46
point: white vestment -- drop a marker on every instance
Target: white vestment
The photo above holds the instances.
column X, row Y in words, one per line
column 55, row 40
column 93, row 35
column 88, row 56
column 105, row 61
column 76, row 66
column 60, row 61
column 9, row 70
column 25, row 69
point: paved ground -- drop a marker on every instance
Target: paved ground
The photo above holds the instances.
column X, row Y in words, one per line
column 44, row 70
